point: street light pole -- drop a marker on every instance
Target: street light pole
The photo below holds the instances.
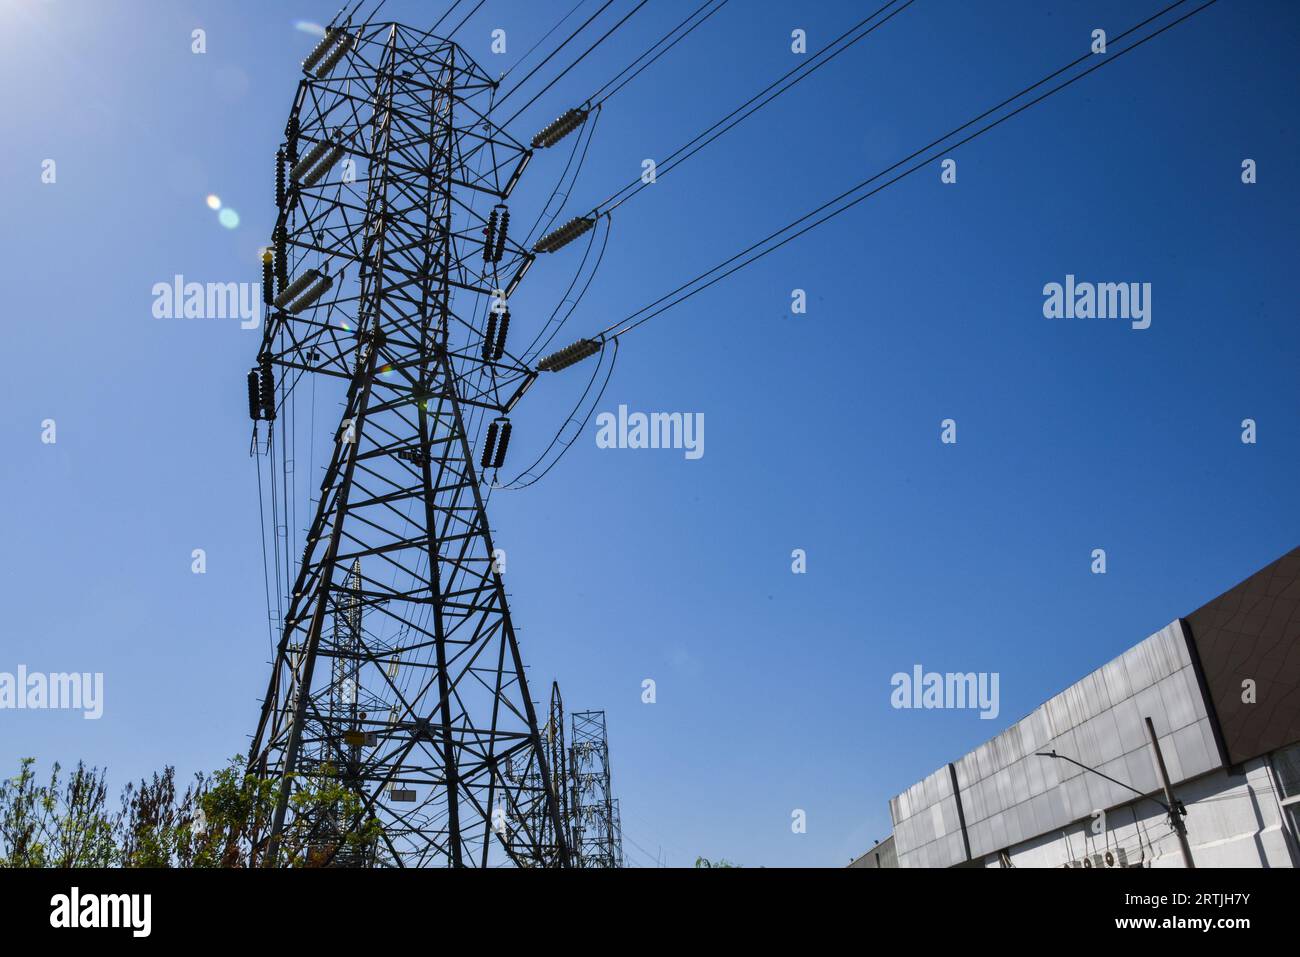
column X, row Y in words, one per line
column 1171, row 805
column 1176, row 809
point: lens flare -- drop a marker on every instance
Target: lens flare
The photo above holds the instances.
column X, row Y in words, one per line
column 228, row 218
column 214, row 201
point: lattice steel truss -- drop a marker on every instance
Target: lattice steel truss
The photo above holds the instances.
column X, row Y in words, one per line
column 597, row 829
column 557, row 765
column 397, row 669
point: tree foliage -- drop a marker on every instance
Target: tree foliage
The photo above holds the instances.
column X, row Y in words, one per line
column 216, row 820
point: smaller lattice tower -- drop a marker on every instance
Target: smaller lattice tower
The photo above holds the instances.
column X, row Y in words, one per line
column 596, row 824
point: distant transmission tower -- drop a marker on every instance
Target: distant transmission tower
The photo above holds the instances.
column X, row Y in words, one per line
column 397, row 673
column 597, row 827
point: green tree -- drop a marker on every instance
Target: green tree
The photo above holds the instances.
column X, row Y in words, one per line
column 218, row 820
column 60, row 824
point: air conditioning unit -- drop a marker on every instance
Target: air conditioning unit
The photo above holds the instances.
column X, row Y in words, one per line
column 1117, row 857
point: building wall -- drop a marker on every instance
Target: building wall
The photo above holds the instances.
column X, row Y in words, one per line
column 1233, row 820
column 881, row 856
column 927, row 826
column 1252, row 632
column 1007, row 794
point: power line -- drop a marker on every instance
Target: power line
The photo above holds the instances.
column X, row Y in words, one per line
column 559, row 76
column 567, row 40
column 545, row 37
column 465, row 19
column 539, row 343
column 374, row 13
column 581, row 144
column 649, row 311
column 596, row 99
column 450, row 9
column 517, row 482
column 805, row 68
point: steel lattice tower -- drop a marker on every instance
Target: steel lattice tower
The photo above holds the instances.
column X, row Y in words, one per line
column 397, row 669
column 597, row 826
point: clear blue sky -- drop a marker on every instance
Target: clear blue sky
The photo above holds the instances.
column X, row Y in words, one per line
column 822, row 430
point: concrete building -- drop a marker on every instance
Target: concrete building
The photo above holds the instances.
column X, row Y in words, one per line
column 1222, row 687
column 882, row 855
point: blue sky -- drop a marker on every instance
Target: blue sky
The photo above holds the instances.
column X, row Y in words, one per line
column 925, row 303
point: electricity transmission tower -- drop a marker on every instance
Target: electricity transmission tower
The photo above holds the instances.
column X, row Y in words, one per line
column 597, row 826
column 397, row 674
column 557, row 766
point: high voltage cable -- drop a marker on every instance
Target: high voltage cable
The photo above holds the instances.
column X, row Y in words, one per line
column 374, row 13
column 530, row 354
column 650, row 311
column 448, row 13
column 596, row 99
column 559, row 76
column 465, row 19
column 600, row 97
column 578, row 146
column 805, row 68
column 533, row 49
column 516, row 484
column 547, row 59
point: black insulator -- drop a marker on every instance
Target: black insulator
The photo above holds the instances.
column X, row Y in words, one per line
column 291, row 139
column 559, row 129
column 268, row 278
column 501, row 236
column 281, row 236
column 279, row 179
column 296, row 287
column 489, row 335
column 489, row 445
column 321, row 49
column 501, row 445
column 499, row 350
column 490, row 237
column 569, row 355
column 308, row 161
column 323, row 167
column 254, row 391
column 330, row 62
column 268, row 390
column 311, row 295
column 565, row 234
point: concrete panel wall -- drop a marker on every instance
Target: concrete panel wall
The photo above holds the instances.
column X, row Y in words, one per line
column 1009, row 795
column 927, row 828
column 1232, row 821
column 880, row 857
